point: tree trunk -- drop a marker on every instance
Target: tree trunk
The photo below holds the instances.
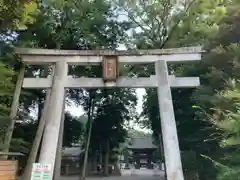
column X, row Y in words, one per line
column 13, row 113
column 95, row 164
column 57, row 171
column 90, row 112
column 37, row 140
column 106, row 160
column 100, row 155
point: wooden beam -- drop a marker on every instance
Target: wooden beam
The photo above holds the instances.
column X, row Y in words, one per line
column 46, row 56
column 146, row 82
column 153, row 58
column 55, row 52
column 83, row 60
column 37, row 83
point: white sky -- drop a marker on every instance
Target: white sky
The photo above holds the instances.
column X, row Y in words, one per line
column 78, row 111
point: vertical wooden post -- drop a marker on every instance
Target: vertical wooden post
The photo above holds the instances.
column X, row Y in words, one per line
column 169, row 129
column 53, row 121
column 14, row 110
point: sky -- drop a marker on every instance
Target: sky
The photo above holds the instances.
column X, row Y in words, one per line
column 78, row 111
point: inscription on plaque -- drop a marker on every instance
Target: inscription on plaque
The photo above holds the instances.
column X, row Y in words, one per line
column 110, row 68
column 41, row 171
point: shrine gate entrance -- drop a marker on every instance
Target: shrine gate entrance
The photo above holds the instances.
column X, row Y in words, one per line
column 110, row 59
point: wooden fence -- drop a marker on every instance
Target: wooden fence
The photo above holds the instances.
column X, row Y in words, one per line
column 8, row 170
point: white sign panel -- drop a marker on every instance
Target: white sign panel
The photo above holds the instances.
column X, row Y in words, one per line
column 41, row 171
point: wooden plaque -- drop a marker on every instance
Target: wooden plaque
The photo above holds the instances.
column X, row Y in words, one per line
column 110, row 68
column 8, row 170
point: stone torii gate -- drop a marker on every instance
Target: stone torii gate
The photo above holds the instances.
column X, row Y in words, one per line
column 110, row 59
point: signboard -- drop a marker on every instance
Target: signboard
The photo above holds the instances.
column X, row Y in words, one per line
column 41, row 171
column 110, row 68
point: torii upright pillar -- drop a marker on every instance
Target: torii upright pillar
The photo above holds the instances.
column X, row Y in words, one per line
column 168, row 124
column 52, row 127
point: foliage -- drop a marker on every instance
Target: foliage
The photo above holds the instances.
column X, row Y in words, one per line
column 25, row 132
column 73, row 129
column 15, row 14
column 227, row 118
column 121, row 103
column 212, row 24
column 7, row 79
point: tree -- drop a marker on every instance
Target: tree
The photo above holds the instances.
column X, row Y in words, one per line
column 226, row 121
column 108, row 128
column 218, row 66
column 192, row 24
column 229, row 125
column 16, row 14
column 8, row 108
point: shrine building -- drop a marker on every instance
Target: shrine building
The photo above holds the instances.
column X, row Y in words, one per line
column 143, row 151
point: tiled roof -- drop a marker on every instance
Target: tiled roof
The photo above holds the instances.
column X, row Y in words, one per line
column 12, row 153
column 144, row 142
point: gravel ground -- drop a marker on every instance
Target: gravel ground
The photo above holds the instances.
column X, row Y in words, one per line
column 141, row 174
column 118, row 178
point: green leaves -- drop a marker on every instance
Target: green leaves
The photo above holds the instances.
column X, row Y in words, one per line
column 196, row 107
column 211, row 24
column 115, row 108
column 16, row 14
column 7, row 86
